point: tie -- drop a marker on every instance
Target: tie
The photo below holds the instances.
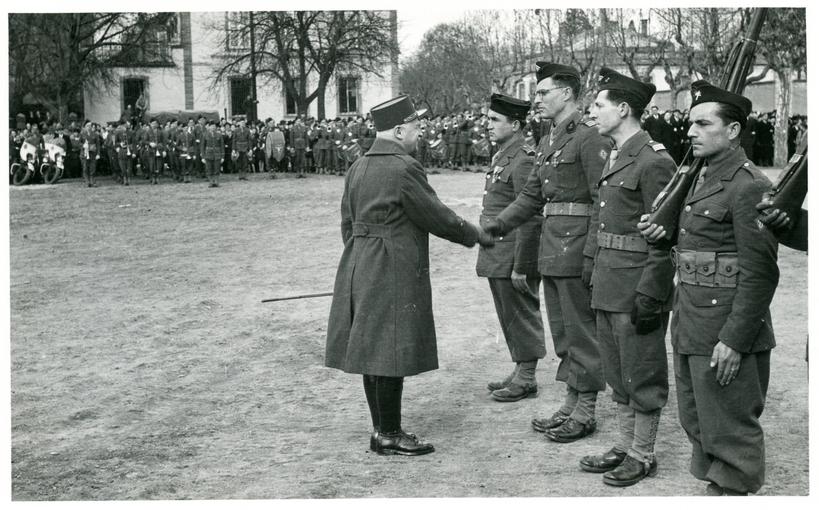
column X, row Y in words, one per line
column 552, row 136
column 700, row 179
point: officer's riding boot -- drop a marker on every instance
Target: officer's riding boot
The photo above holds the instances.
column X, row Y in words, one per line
column 391, row 439
column 498, row 385
column 523, row 384
column 640, row 461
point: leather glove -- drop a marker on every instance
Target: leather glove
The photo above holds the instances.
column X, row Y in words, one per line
column 646, row 314
column 484, row 238
column 495, row 227
column 588, row 268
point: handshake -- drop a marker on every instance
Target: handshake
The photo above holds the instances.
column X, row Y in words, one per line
column 492, row 228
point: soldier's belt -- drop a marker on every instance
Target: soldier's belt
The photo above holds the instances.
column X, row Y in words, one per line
column 361, row 229
column 706, row 268
column 622, row 242
column 567, row 209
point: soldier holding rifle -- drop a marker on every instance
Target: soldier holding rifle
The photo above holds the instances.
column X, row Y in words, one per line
column 721, row 327
column 381, row 322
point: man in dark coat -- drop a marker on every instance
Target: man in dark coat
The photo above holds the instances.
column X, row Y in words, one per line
column 381, row 322
column 564, row 186
column 721, row 327
column 511, row 265
column 241, row 144
column 632, row 281
column 212, row 150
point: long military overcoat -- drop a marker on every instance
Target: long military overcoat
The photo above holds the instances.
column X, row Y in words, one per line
column 381, row 320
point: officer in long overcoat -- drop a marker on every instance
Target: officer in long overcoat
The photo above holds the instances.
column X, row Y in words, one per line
column 563, row 185
column 721, row 327
column 381, row 322
column 511, row 265
column 632, row 281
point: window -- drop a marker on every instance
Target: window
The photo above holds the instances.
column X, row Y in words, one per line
column 643, row 27
column 132, row 88
column 239, row 92
column 347, row 95
column 521, row 90
column 175, row 29
column 532, row 85
column 290, row 103
column 238, row 32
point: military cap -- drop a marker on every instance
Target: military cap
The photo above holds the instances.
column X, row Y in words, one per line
column 512, row 107
column 546, row 69
column 637, row 91
column 398, row 110
column 704, row 92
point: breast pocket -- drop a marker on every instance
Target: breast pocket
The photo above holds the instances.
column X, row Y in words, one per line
column 624, row 198
column 708, row 223
column 566, row 170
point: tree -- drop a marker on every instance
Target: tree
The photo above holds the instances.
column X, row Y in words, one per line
column 302, row 50
column 55, row 56
column 783, row 44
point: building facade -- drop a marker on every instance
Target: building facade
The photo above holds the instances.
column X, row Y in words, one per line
column 180, row 76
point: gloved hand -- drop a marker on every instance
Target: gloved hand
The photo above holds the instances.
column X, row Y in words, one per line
column 646, row 314
column 495, row 227
column 588, row 268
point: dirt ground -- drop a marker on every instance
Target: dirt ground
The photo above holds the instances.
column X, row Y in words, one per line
column 143, row 365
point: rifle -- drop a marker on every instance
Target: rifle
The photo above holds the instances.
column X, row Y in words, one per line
column 302, row 296
column 665, row 210
column 791, row 187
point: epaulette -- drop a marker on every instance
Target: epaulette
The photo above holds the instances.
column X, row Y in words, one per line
column 590, row 123
column 528, row 149
column 657, row 146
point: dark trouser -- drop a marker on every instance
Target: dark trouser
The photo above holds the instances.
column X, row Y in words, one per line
column 384, row 399
column 212, row 166
column 321, row 158
column 124, row 163
column 722, row 422
column 572, row 324
column 113, row 163
column 89, row 168
column 154, row 164
column 636, row 366
column 520, row 320
column 332, row 160
column 188, row 165
column 298, row 161
column 241, row 164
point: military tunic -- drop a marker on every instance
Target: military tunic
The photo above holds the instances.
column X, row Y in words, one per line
column 518, row 313
column 636, row 366
column 381, row 320
column 726, row 266
column 564, row 184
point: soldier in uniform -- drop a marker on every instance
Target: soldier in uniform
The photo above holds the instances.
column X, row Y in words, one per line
column 298, row 142
column 188, row 150
column 91, row 145
column 110, row 143
column 171, row 136
column 212, row 150
column 388, row 211
column 126, row 151
column 632, row 282
column 511, row 265
column 721, row 327
column 564, row 187
column 241, row 145
column 153, row 142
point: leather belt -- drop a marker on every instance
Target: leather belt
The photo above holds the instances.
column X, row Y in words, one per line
column 361, row 229
column 622, row 242
column 567, row 209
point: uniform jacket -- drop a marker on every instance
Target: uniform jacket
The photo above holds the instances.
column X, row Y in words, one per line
column 381, row 320
column 241, row 140
column 566, row 171
column 155, row 136
column 628, row 186
column 298, row 137
column 186, row 142
column 504, row 181
column 721, row 217
column 212, row 146
column 92, row 138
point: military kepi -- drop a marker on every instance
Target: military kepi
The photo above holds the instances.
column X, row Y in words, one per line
column 547, row 69
column 512, row 107
column 638, row 92
column 704, row 92
column 398, row 110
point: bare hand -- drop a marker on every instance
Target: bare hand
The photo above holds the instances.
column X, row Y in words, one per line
column 770, row 216
column 651, row 231
column 727, row 361
column 519, row 283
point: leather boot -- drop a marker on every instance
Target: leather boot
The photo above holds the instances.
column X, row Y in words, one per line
column 630, row 471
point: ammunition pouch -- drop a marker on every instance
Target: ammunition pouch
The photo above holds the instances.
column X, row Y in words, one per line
column 706, row 268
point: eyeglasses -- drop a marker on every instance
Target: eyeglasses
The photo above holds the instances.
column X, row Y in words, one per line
column 543, row 92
